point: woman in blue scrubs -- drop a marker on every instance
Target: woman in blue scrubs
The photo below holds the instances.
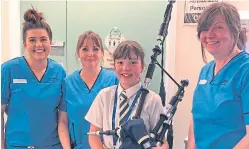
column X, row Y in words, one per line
column 221, row 99
column 31, row 90
column 81, row 88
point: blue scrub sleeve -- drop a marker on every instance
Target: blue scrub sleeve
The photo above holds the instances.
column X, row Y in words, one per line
column 245, row 97
column 62, row 104
column 5, row 84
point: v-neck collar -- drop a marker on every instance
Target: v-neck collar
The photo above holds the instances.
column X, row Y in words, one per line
column 81, row 80
column 39, row 81
column 224, row 68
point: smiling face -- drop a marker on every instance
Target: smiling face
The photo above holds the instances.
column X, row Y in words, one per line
column 128, row 69
column 217, row 39
column 90, row 54
column 38, row 44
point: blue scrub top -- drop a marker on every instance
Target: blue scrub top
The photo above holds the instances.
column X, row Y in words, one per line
column 31, row 104
column 221, row 104
column 78, row 98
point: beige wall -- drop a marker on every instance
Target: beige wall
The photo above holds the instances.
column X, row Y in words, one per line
column 5, row 29
column 241, row 5
column 188, row 63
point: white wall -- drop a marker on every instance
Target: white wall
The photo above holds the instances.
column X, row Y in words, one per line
column 4, row 31
column 188, row 63
column 10, row 35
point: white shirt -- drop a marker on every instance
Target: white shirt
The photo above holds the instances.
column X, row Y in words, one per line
column 100, row 112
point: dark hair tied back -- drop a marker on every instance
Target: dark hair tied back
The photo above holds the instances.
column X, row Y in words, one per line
column 34, row 20
column 33, row 16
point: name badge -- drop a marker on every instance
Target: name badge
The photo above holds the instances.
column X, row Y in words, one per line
column 203, row 82
column 19, row 81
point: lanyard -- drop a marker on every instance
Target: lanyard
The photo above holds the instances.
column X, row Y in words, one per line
column 130, row 109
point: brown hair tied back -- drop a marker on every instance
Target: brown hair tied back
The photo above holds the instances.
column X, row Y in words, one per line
column 89, row 35
column 34, row 20
column 242, row 40
column 33, row 16
column 232, row 17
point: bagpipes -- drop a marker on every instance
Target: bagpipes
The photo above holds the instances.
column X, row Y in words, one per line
column 133, row 133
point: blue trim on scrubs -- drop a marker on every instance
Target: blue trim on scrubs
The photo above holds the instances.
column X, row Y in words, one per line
column 78, row 98
column 32, row 105
column 221, row 104
column 34, row 73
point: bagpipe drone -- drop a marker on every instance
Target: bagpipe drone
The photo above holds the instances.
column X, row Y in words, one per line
column 133, row 133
